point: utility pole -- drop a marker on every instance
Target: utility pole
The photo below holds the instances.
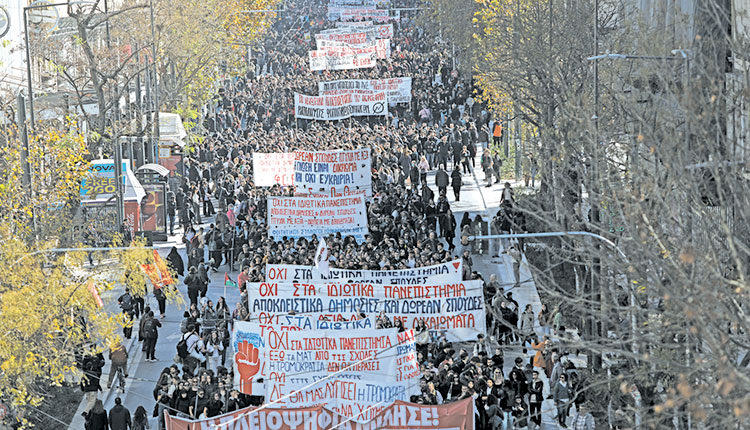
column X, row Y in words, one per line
column 119, row 200
column 516, row 110
column 24, row 134
column 155, row 143
column 28, row 67
column 596, row 318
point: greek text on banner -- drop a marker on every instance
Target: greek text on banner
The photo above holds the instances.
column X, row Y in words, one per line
column 405, row 416
column 451, row 271
column 454, row 309
column 296, row 217
column 323, row 171
column 342, row 106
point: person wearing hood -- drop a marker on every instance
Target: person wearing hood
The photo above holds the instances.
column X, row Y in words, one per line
column 175, row 261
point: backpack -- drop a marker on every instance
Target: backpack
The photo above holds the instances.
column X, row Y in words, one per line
column 148, row 327
column 182, row 347
column 126, row 302
column 119, row 356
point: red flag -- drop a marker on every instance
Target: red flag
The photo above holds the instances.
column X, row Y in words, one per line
column 95, row 293
column 150, row 270
column 166, row 277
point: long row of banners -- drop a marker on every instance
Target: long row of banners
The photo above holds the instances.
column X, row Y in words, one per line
column 351, row 47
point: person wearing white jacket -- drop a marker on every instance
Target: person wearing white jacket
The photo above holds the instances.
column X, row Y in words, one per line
column 214, row 348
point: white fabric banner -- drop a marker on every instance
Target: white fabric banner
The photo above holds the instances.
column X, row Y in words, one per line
column 382, row 46
column 398, row 90
column 343, row 58
column 454, row 309
column 273, row 168
column 353, row 37
column 364, row 354
column 341, row 106
column 382, row 31
column 357, row 13
column 439, row 273
column 329, row 172
column 297, row 217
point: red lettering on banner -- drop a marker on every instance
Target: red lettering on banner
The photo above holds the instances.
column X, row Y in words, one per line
column 274, row 273
column 267, row 289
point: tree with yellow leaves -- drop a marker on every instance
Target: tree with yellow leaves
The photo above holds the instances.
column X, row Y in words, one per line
column 53, row 308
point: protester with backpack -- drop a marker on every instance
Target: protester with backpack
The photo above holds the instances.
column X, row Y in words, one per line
column 190, row 350
column 150, row 334
column 127, row 305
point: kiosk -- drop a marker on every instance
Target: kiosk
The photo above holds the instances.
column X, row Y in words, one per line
column 153, row 210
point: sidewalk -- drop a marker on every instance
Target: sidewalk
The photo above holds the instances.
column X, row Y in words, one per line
column 526, row 293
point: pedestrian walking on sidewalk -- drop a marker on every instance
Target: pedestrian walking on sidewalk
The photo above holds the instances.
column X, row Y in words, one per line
column 536, row 397
column 193, row 282
column 527, row 326
column 140, row 419
column 128, row 309
column 119, row 416
column 515, row 254
column 441, row 180
column 487, row 167
column 561, row 396
column 91, row 366
column 456, row 183
column 96, row 418
column 544, row 319
column 583, row 420
column 150, row 335
column 507, row 198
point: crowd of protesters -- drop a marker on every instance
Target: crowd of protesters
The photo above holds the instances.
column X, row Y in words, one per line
column 409, row 226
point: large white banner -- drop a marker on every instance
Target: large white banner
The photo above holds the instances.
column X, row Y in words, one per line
column 382, row 46
column 343, row 58
column 333, row 172
column 454, row 309
column 382, row 31
column 398, row 90
column 354, row 37
column 341, row 106
column 262, row 351
column 296, row 217
column 357, row 13
column 451, row 271
column 273, row 168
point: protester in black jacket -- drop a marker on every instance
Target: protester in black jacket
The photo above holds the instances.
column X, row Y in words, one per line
column 456, row 183
column 119, row 416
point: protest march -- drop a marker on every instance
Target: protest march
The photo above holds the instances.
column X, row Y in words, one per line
column 321, row 197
